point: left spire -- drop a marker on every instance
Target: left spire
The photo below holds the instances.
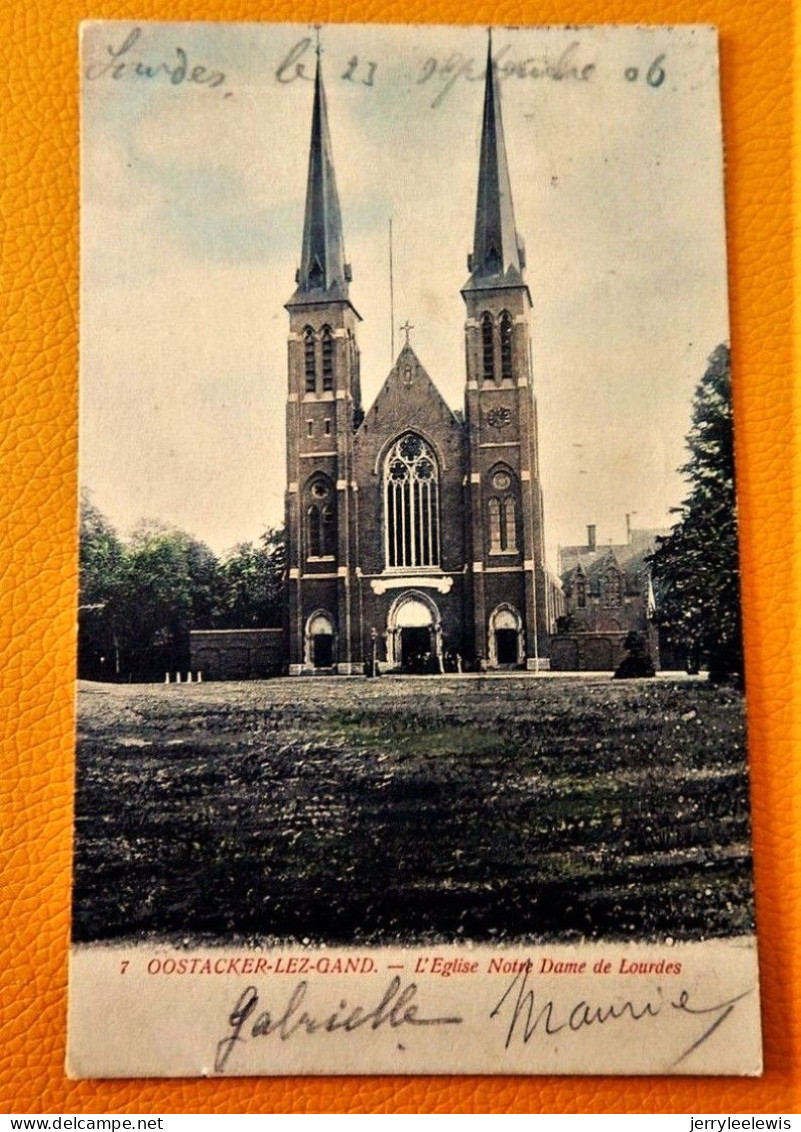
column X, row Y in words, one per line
column 323, row 272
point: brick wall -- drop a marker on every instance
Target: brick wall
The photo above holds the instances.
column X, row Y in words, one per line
column 237, row 654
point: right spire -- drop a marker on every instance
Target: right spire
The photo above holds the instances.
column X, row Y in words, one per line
column 496, row 259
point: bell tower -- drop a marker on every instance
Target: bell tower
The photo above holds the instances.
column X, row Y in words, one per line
column 507, row 560
column 323, row 406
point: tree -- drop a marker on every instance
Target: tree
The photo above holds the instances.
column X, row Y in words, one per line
column 638, row 662
column 139, row 599
column 101, row 561
column 696, row 568
column 170, row 584
column 253, row 583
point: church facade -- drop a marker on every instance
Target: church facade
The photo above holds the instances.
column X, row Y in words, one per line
column 414, row 534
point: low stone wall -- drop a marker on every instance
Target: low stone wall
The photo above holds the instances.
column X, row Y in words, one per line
column 237, row 654
column 587, row 652
column 593, row 652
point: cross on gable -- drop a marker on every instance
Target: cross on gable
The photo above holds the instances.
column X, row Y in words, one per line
column 407, row 326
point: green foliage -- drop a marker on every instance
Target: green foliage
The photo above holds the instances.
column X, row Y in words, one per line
column 695, row 568
column 253, row 583
column 101, row 566
column 139, row 599
column 170, row 584
column 638, row 662
column 101, row 553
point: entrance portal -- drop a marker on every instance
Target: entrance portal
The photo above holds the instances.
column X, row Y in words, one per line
column 322, row 650
column 415, row 649
column 506, row 646
column 505, row 638
column 414, row 634
column 320, row 645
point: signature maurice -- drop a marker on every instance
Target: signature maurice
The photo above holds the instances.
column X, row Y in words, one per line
column 522, row 1015
column 525, row 1016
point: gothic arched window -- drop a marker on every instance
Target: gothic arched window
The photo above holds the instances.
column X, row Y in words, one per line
column 487, row 347
column 315, row 531
column 321, row 519
column 328, row 359
column 612, row 588
column 580, row 591
column 494, row 510
column 411, row 504
column 506, row 346
column 501, row 513
column 309, row 363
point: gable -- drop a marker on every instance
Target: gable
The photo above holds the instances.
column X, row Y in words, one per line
column 408, row 399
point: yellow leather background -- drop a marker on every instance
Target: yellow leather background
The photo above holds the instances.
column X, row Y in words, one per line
column 38, row 73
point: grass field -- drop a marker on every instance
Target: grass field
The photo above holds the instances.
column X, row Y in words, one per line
column 412, row 809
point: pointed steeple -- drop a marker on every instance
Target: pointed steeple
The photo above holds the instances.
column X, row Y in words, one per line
column 497, row 258
column 323, row 272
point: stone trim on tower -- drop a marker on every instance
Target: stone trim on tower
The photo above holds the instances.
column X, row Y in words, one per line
column 323, row 404
column 505, row 500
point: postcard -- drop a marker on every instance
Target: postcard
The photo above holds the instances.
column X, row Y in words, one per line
column 411, row 718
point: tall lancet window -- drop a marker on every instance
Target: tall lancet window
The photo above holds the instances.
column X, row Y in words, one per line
column 309, row 364
column 487, row 348
column 321, row 519
column 506, row 346
column 411, row 504
column 328, row 359
column 501, row 514
column 580, row 590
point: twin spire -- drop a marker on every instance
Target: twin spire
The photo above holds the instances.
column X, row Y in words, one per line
column 497, row 258
column 323, row 269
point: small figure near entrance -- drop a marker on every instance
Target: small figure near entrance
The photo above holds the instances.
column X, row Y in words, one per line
column 371, row 667
column 453, row 661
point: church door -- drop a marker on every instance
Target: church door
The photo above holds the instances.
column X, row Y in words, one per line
column 505, row 638
column 506, row 646
column 322, row 650
column 415, row 649
column 414, row 635
column 320, row 641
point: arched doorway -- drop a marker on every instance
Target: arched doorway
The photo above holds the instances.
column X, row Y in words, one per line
column 320, row 641
column 414, row 634
column 506, row 643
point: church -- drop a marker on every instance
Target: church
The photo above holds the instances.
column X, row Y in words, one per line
column 415, row 536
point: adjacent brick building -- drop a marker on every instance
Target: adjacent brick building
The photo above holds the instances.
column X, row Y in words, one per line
column 415, row 534
column 607, row 594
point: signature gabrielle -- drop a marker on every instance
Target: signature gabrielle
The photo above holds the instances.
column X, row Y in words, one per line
column 527, row 1017
column 395, row 1008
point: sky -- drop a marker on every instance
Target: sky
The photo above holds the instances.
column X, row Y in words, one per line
column 194, row 156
